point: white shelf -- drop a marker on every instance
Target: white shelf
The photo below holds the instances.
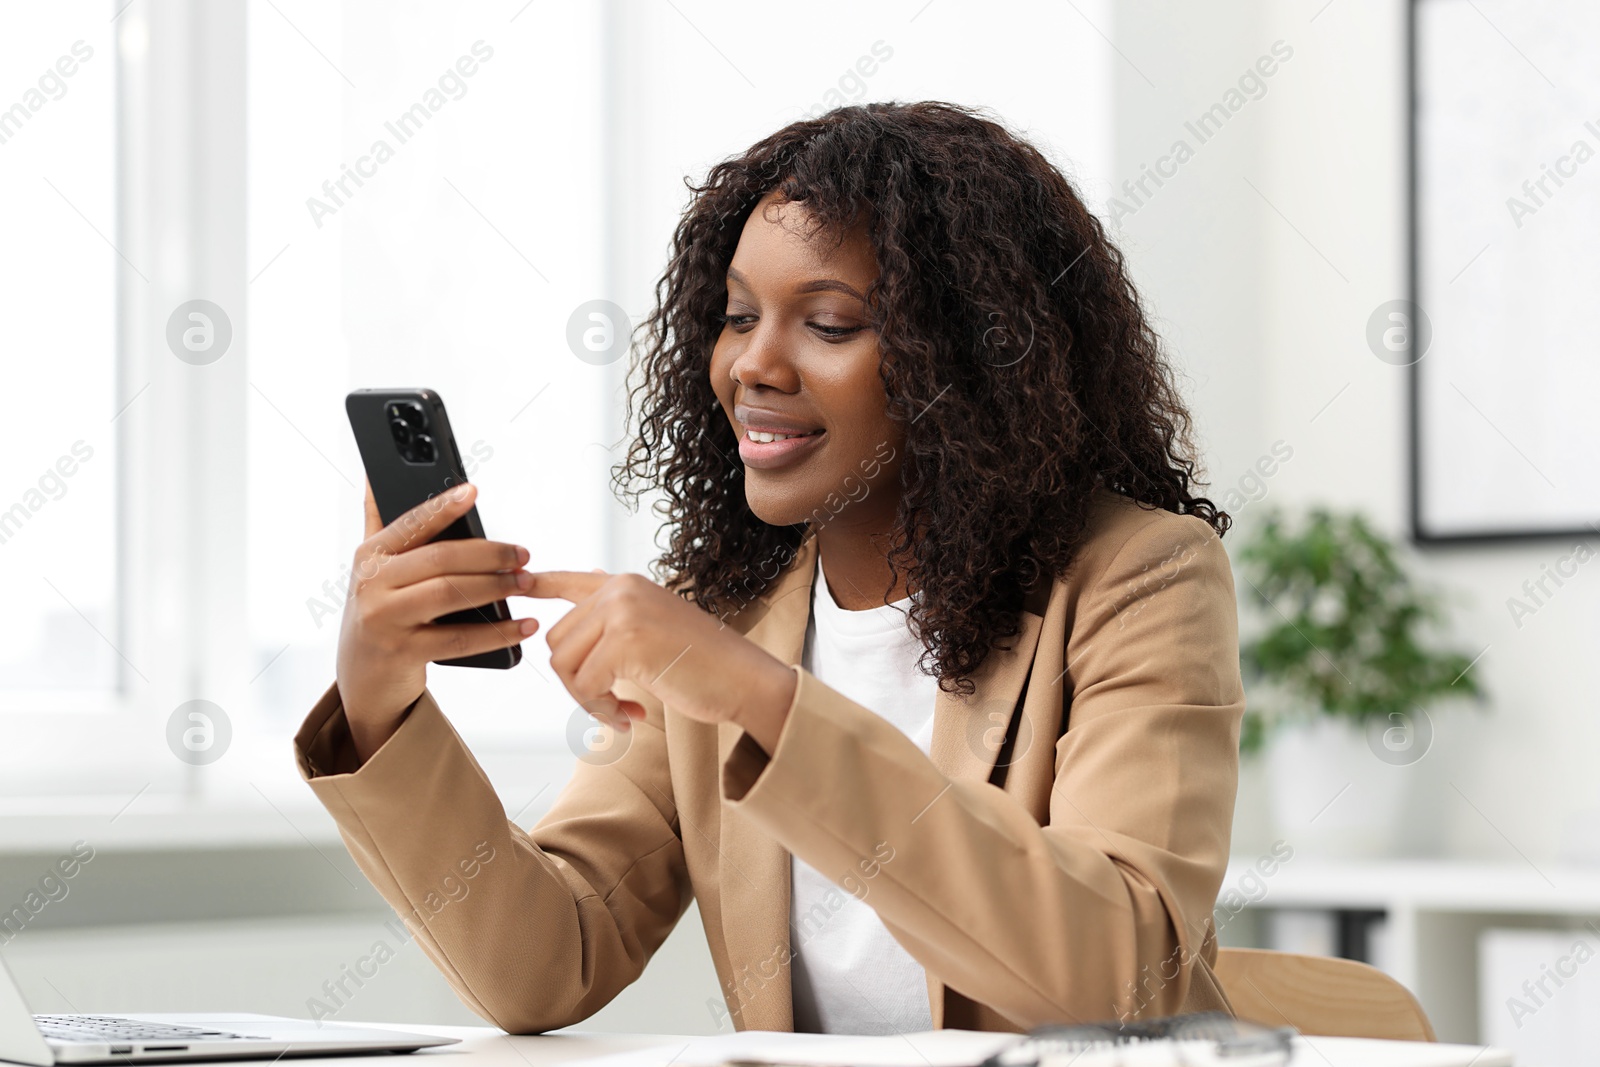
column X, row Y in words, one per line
column 158, row 823
column 250, row 802
column 1429, row 885
column 1435, row 911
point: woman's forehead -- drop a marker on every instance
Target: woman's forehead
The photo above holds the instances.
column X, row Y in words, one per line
column 783, row 234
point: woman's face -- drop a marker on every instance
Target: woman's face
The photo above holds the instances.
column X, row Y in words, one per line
column 796, row 357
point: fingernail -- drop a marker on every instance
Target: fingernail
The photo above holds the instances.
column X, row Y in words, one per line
column 459, row 493
column 524, row 581
column 527, row 626
column 523, row 556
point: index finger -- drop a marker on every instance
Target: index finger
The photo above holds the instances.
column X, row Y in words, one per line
column 370, row 513
column 566, row 585
column 427, row 520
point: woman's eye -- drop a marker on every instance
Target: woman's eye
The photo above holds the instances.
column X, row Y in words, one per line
column 740, row 321
column 835, row 331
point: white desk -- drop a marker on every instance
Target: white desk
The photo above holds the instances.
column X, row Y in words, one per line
column 492, row 1048
column 489, row 1047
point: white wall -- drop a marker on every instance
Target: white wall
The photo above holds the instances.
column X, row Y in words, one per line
column 704, row 81
column 1249, row 289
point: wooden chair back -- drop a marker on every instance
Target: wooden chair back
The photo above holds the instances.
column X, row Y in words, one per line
column 1320, row 995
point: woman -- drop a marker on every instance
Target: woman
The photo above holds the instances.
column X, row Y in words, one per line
column 936, row 713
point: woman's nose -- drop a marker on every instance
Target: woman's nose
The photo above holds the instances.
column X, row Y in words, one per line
column 764, row 359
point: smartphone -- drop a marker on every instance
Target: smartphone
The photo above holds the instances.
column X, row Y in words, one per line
column 411, row 456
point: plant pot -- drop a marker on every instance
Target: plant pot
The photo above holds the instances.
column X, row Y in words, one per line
column 1337, row 790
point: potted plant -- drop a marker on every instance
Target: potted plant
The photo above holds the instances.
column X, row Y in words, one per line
column 1340, row 673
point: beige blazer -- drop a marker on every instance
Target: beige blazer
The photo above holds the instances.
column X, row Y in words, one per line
column 1056, row 859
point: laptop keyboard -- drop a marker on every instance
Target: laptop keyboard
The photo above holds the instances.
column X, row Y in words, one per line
column 101, row 1028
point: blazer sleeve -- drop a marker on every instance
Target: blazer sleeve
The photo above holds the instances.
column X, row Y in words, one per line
column 1102, row 912
column 535, row 929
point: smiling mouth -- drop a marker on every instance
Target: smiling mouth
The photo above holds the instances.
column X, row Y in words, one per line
column 763, row 450
column 762, row 437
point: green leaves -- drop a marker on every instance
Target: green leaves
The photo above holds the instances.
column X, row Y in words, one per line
column 1344, row 626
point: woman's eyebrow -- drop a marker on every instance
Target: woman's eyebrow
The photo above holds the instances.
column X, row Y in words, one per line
column 813, row 286
column 820, row 284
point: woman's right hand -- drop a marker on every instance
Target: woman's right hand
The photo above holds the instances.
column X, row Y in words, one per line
column 400, row 582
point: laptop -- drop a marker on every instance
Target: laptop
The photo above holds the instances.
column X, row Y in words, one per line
column 46, row 1040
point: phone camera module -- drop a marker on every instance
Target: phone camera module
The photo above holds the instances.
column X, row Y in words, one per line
column 408, row 424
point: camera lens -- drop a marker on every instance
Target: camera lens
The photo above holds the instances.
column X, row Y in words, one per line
column 412, row 413
column 423, row 445
column 402, row 432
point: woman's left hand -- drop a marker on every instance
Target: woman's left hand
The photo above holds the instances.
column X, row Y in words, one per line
column 626, row 627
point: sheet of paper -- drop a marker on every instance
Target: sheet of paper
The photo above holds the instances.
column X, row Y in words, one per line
column 932, row 1048
column 1365, row 1052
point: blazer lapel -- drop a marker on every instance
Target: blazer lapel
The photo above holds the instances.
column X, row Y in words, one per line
column 755, row 868
column 970, row 733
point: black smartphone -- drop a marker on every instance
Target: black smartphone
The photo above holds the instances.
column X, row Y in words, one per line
column 411, row 456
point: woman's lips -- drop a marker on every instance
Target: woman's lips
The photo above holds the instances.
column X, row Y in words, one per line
column 771, row 455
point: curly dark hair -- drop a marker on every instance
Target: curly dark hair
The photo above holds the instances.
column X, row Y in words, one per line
column 1014, row 349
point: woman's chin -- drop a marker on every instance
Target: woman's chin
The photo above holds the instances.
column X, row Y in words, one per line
column 780, row 510
column 783, row 517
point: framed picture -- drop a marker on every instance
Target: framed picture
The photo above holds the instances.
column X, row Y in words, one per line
column 1502, row 331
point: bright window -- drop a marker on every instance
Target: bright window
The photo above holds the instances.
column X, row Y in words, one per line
column 58, row 271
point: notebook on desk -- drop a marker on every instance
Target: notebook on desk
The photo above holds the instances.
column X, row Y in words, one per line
column 1199, row 1040
column 1214, row 1039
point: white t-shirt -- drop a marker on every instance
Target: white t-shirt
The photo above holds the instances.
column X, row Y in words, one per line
column 849, row 975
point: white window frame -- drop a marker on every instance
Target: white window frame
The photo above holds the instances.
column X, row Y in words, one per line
column 181, row 625
column 178, row 94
